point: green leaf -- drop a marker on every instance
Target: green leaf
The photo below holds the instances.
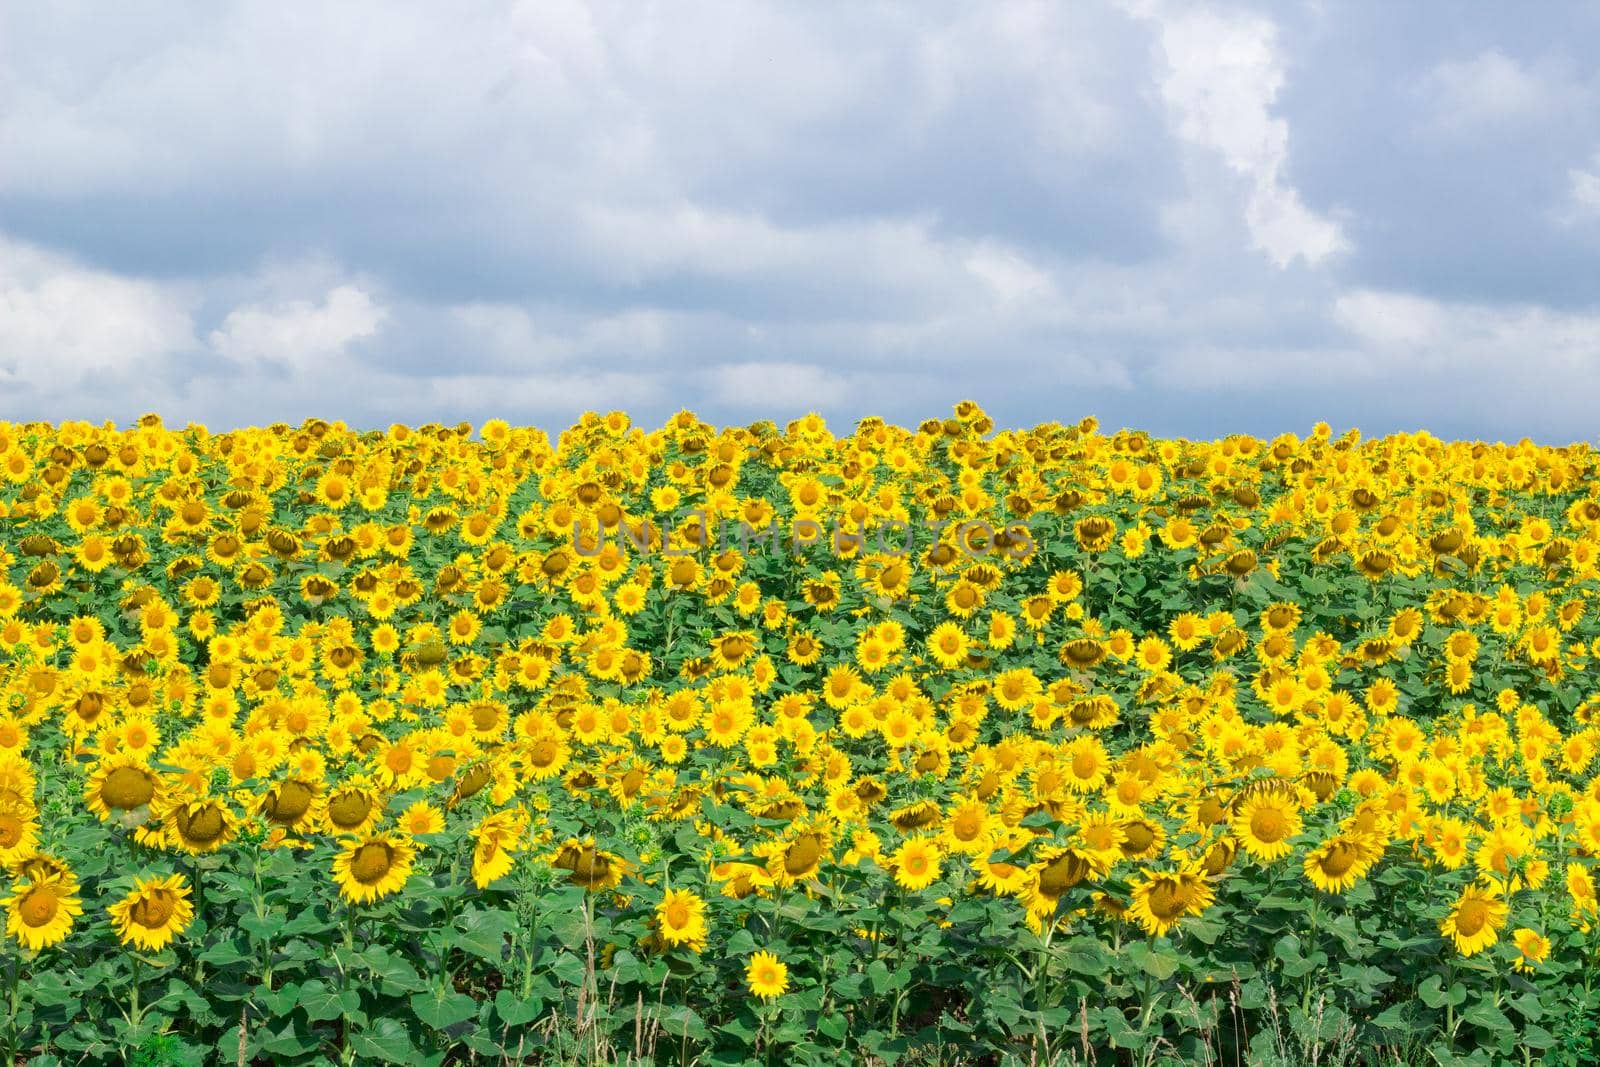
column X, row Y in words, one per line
column 683, row 1022
column 1487, row 1013
column 1158, row 965
column 442, row 1009
column 1537, row 1037
column 1434, row 995
column 1396, row 1017
column 1528, row 1006
column 1086, row 955
column 515, row 1011
column 483, row 933
column 1206, row 931
column 395, row 974
column 833, row 1026
column 386, row 1040
column 320, row 1001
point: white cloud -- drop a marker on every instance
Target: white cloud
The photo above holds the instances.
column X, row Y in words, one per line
column 1518, row 361
column 510, row 395
column 299, row 333
column 1009, row 274
column 512, row 335
column 1223, row 74
column 1488, row 89
column 62, row 323
column 1583, row 192
column 1390, row 320
column 775, row 386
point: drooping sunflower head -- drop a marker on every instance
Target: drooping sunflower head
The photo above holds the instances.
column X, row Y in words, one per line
column 1340, row 862
column 1162, row 898
column 155, row 912
column 203, row 825
column 353, row 808
column 588, row 866
column 287, row 803
column 124, row 788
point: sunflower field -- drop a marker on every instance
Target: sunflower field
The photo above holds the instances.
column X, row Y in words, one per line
column 757, row 744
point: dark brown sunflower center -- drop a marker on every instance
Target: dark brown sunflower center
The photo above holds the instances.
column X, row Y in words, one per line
column 1138, row 836
column 39, row 906
column 1338, row 861
column 1472, row 916
column 1269, row 825
column 1167, row 900
column 289, row 802
column 154, row 909
column 200, row 827
column 371, row 862
column 802, row 855
column 127, row 788
column 1062, row 873
column 349, row 809
column 918, row 817
column 589, row 868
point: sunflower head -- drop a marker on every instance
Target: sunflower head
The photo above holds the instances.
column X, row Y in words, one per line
column 122, row 787
column 371, row 867
column 39, row 913
column 203, row 825
column 155, row 912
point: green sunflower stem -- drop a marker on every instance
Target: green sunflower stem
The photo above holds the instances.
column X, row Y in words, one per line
column 199, row 876
column 135, row 1013
column 1041, row 984
column 1311, row 948
column 14, row 1037
column 348, row 1051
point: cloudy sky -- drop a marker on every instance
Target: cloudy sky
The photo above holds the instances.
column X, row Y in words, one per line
column 1190, row 218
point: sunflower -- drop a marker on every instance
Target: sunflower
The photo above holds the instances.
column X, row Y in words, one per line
column 590, row 867
column 1053, row 874
column 767, row 976
column 1000, row 877
column 19, row 834
column 1161, row 898
column 1087, row 764
column 287, row 803
column 1532, row 948
column 155, row 912
column 797, row 858
column 198, row 826
column 916, row 864
column 948, row 645
column 1339, row 863
column 422, row 818
column 39, row 912
column 969, row 827
column 1264, row 823
column 681, row 919
column 1474, row 920
column 497, row 836
column 371, row 867
column 123, row 787
column 353, row 808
